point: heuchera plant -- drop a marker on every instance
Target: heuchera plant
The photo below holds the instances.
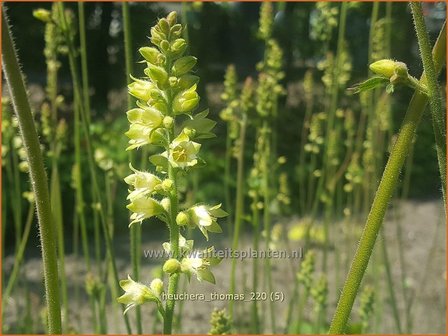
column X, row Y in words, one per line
column 164, row 118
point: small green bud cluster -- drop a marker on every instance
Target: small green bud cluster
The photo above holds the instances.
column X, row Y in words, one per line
column 220, row 323
column 333, row 148
column 308, row 87
column 94, row 287
column 336, row 71
column 283, row 195
column 275, row 236
column 319, row 293
column 12, row 143
column 229, row 96
column 305, row 274
column 258, row 169
column 378, row 38
column 323, row 20
column 266, row 20
column 354, row 174
column 165, row 118
column 315, row 136
column 245, row 105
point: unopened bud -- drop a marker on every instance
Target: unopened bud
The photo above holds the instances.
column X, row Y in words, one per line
column 42, row 15
column 171, row 266
column 182, row 219
column 168, row 122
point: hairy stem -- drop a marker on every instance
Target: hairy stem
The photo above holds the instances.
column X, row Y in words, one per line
column 384, row 192
column 435, row 100
column 38, row 177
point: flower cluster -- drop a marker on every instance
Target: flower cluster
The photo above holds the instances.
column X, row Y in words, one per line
column 164, row 118
column 323, row 20
column 220, row 323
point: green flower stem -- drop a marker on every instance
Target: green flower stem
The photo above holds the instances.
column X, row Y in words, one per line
column 390, row 285
column 174, row 241
column 256, row 328
column 17, row 197
column 435, row 100
column 56, row 207
column 85, row 127
column 19, row 256
column 267, row 216
column 135, row 229
column 83, row 54
column 227, row 166
column 239, row 207
column 386, row 187
column 38, row 177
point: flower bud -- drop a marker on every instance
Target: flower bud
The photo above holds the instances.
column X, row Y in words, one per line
column 29, row 196
column 172, row 18
column 156, row 286
column 167, row 184
column 168, row 122
column 178, row 46
column 42, row 15
column 182, row 219
column 186, row 101
column 183, row 65
column 171, row 266
column 157, row 74
column 140, row 89
column 165, row 46
column 281, row 160
column 173, row 81
column 150, row 54
column 24, row 167
column 164, row 26
column 176, row 30
column 166, row 203
column 189, row 132
column 385, row 67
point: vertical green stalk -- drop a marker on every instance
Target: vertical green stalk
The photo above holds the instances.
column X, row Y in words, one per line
column 135, row 229
column 393, row 300
column 19, row 256
column 38, row 177
column 85, row 127
column 174, row 241
column 256, row 329
column 239, row 207
column 56, row 207
column 384, row 192
column 267, row 215
column 83, row 54
column 435, row 100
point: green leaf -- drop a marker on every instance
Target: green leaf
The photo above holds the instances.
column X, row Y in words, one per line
column 201, row 125
column 207, row 275
column 159, row 160
column 218, row 212
column 369, row 84
column 214, row 227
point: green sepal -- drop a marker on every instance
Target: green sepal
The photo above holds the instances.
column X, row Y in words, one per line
column 369, row 84
column 159, row 160
column 206, row 275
